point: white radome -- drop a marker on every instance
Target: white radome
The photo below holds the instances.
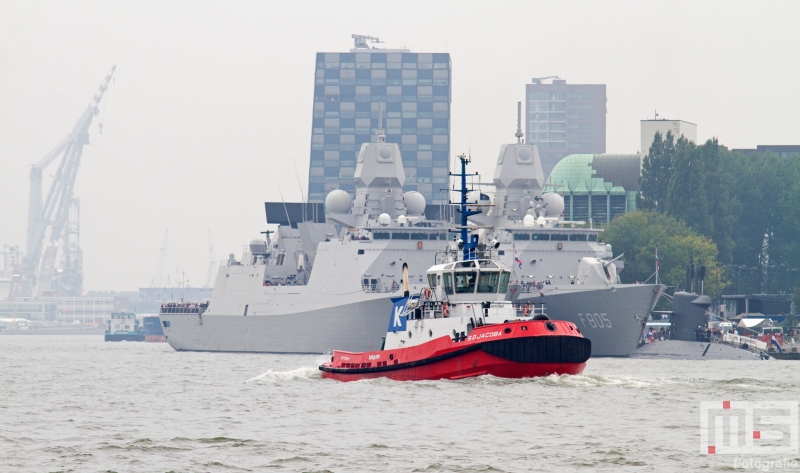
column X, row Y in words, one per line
column 384, row 219
column 415, row 202
column 401, row 220
column 554, row 204
column 528, row 221
column 338, row 202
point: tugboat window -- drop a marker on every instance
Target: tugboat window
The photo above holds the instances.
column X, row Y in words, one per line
column 540, row 236
column 465, row 282
column 400, row 236
column 380, row 235
column 448, row 283
column 592, row 237
column 487, row 283
column 560, row 236
column 432, row 280
column 522, row 236
column 504, row 276
column 419, row 236
column 577, row 237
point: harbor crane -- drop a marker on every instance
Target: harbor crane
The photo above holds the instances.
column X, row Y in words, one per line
column 54, row 222
column 538, row 80
column 362, row 42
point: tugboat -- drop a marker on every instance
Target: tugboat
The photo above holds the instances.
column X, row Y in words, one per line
column 465, row 325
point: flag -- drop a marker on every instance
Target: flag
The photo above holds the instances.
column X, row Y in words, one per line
column 517, row 260
column 656, row 259
column 775, row 342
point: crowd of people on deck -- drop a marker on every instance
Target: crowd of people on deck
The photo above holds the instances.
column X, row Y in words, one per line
column 534, row 285
column 657, row 335
column 183, row 307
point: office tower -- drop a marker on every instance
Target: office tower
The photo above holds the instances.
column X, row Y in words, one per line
column 564, row 119
column 413, row 90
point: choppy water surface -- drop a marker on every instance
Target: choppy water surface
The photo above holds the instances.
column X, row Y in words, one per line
column 75, row 403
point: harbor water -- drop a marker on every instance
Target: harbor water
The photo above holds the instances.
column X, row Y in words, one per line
column 76, row 403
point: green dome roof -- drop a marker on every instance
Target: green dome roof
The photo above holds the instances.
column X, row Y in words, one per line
column 595, row 173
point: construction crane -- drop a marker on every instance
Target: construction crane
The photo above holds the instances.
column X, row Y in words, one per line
column 362, row 42
column 538, row 80
column 55, row 223
column 162, row 257
column 212, row 263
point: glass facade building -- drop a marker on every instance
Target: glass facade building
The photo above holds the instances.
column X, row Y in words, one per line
column 415, row 89
column 564, row 119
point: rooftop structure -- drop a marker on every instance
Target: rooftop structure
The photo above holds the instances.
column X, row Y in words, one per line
column 563, row 119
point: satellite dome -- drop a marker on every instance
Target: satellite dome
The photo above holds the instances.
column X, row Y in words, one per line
column 401, row 220
column 554, row 204
column 528, row 221
column 384, row 219
column 415, row 202
column 338, row 202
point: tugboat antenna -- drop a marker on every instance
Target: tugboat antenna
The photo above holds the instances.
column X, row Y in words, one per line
column 518, row 134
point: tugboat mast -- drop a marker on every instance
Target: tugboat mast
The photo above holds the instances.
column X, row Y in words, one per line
column 470, row 242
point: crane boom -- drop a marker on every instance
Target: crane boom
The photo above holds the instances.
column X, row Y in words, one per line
column 48, row 220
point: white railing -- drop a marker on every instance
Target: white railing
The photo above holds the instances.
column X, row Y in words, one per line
column 738, row 340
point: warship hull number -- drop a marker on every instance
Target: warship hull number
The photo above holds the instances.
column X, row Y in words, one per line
column 594, row 320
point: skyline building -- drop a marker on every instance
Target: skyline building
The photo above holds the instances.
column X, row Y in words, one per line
column 563, row 119
column 350, row 89
column 679, row 128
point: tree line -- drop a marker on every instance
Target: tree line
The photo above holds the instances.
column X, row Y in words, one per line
column 737, row 212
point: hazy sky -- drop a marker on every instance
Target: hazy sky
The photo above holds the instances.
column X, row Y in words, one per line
column 213, row 100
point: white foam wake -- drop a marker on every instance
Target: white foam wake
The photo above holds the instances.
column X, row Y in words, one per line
column 304, row 372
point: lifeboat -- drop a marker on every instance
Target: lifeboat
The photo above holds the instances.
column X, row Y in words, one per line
column 466, row 323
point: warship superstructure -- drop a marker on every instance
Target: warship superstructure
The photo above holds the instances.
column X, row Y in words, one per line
column 561, row 263
column 320, row 286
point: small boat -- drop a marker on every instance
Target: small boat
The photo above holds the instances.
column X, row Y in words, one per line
column 464, row 324
column 124, row 327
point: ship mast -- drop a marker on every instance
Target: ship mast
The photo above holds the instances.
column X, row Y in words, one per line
column 468, row 242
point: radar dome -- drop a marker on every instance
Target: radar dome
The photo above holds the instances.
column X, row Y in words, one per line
column 528, row 221
column 338, row 202
column 384, row 219
column 554, row 204
column 415, row 202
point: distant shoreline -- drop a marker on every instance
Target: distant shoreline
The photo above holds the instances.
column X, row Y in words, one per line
column 55, row 331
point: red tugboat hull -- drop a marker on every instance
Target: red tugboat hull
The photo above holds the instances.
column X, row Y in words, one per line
column 509, row 350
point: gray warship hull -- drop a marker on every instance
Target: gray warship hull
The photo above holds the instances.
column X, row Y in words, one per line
column 356, row 326
column 610, row 317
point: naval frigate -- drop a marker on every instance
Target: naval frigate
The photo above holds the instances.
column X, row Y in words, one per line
column 321, row 286
column 560, row 263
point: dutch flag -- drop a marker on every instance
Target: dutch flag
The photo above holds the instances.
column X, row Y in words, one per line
column 775, row 342
column 656, row 259
column 517, row 260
